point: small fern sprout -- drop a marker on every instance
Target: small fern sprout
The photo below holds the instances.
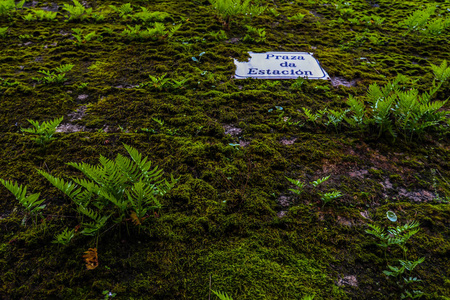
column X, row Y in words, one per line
column 320, row 181
column 64, row 237
column 43, row 133
column 300, row 185
column 330, row 196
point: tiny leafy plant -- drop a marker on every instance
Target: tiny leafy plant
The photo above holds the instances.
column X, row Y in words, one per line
column 56, row 76
column 325, row 197
column 319, row 181
column 179, row 84
column 199, row 59
column 83, row 85
column 43, row 133
column 159, row 31
column 157, row 82
column 3, row 31
column 229, row 9
column 29, row 17
column 299, row 186
column 314, row 117
column 222, row 295
column 31, row 202
column 297, row 85
column 81, row 38
column 297, row 17
column 124, row 10
column 399, row 235
column 64, row 237
column 219, row 35
column 43, row 15
column 8, row 83
column 257, row 35
column 146, row 16
column 77, row 11
column 330, row 196
column 108, row 294
column 114, row 190
column 8, row 6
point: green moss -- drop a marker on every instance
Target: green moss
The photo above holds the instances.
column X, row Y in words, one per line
column 231, row 216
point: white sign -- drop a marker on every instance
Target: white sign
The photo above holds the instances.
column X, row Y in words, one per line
column 280, row 65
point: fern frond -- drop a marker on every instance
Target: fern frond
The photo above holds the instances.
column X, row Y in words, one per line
column 142, row 199
column 320, row 181
column 92, row 228
column 442, row 72
column 144, row 165
column 358, row 109
column 31, row 202
column 300, row 185
column 68, row 188
column 374, row 93
column 222, row 295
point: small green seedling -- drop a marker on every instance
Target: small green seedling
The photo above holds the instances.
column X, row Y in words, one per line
column 198, row 60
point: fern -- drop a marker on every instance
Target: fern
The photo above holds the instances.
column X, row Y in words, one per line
column 77, row 11
column 417, row 20
column 358, row 110
column 310, row 116
column 99, row 221
column 442, row 72
column 228, row 9
column 7, row 6
column 395, row 235
column 43, row 133
column 142, row 199
column 297, row 17
column 31, row 203
column 125, row 185
column 320, row 181
column 124, row 10
column 336, row 117
column 330, row 196
column 222, row 295
column 64, row 237
column 66, row 187
column 45, row 15
column 300, row 185
column 158, row 31
column 146, row 16
column 3, row 31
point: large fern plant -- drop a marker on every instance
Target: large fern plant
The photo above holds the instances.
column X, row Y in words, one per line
column 120, row 188
column 395, row 110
